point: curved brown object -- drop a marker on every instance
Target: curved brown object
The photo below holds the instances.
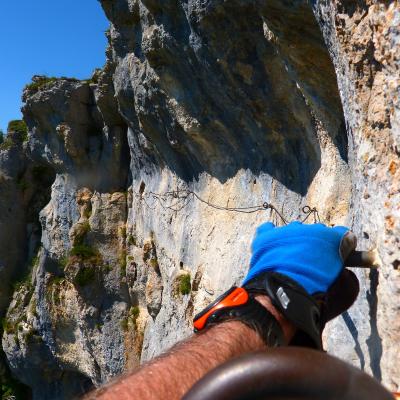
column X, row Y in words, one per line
column 287, row 373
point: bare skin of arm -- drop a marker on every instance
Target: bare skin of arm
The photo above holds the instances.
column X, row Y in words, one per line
column 172, row 374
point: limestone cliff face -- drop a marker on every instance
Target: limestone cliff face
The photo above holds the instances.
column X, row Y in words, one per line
column 235, row 103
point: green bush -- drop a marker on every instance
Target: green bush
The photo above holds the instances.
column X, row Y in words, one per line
column 134, row 312
column 133, row 315
column 184, row 284
column 85, row 275
column 56, row 280
column 83, row 251
column 13, row 389
column 6, row 144
column 132, row 240
column 154, row 263
column 7, row 326
column 122, row 262
column 25, row 279
column 1, row 136
column 124, row 324
column 63, row 262
column 122, row 232
column 18, row 126
column 87, row 213
column 39, row 82
column 83, row 230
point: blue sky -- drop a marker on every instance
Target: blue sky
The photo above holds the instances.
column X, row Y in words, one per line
column 48, row 37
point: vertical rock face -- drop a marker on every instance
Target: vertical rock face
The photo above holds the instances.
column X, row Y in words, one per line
column 232, row 104
column 363, row 39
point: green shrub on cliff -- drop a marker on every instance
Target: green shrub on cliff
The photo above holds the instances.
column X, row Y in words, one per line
column 18, row 126
column 83, row 251
column 25, row 278
column 130, row 319
column 88, row 257
column 5, row 142
column 122, row 262
column 184, row 284
column 38, row 82
column 85, row 275
column 17, row 133
column 81, row 231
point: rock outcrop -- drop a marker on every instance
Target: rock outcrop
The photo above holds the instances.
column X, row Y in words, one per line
column 105, row 205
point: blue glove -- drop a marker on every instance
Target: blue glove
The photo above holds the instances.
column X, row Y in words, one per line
column 309, row 254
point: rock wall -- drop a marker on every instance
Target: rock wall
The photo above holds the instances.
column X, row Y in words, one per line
column 362, row 38
column 230, row 103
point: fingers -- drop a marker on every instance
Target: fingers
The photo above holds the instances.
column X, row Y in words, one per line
column 341, row 295
column 347, row 245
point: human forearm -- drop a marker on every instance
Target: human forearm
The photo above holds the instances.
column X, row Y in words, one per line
column 172, row 374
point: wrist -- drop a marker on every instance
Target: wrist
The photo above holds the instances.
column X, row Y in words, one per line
column 237, row 330
column 236, row 304
column 288, row 328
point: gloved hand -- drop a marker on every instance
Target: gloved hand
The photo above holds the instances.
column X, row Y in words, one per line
column 312, row 255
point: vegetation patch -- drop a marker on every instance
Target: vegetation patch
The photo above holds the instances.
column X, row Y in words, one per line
column 53, row 289
column 107, row 268
column 11, row 326
column 122, row 232
column 85, row 275
column 6, row 143
column 17, row 132
column 132, row 240
column 154, row 263
column 184, row 285
column 63, row 262
column 39, row 82
column 82, row 230
column 18, row 126
column 87, row 256
column 134, row 313
column 83, row 251
column 56, row 280
column 124, row 324
column 11, row 389
column 87, row 213
column 26, row 279
column 80, row 249
column 7, row 326
column 122, row 262
column 131, row 319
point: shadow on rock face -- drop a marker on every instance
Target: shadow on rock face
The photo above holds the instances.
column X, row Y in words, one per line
column 221, row 86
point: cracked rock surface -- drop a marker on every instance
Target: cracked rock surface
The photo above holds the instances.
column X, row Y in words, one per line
column 239, row 102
